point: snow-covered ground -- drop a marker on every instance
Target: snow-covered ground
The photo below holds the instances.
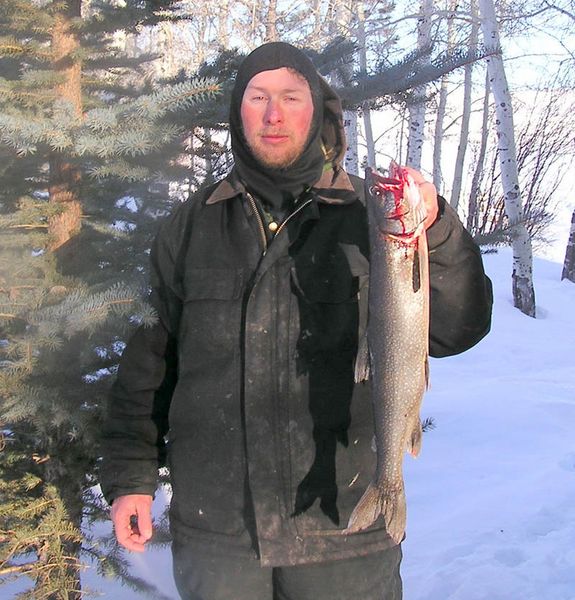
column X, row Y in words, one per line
column 491, row 499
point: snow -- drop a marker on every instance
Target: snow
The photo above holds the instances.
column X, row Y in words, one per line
column 491, row 499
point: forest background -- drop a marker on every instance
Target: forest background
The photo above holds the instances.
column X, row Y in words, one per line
column 112, row 111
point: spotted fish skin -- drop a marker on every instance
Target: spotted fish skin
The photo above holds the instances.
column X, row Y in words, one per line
column 395, row 356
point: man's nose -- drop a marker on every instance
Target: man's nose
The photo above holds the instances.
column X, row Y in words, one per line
column 273, row 113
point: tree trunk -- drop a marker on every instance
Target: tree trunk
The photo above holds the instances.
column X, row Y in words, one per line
column 271, row 24
column 223, row 30
column 362, row 42
column 418, row 101
column 569, row 262
column 64, row 189
column 341, row 17
column 472, row 211
column 65, row 178
column 351, row 161
column 522, row 278
column 466, row 116
column 442, row 105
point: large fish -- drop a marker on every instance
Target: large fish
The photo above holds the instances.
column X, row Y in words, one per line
column 395, row 357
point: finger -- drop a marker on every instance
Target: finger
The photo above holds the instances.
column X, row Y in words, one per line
column 129, row 537
column 144, row 522
column 415, row 175
column 428, row 193
column 132, row 523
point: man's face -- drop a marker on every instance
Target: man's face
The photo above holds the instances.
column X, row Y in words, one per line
column 277, row 111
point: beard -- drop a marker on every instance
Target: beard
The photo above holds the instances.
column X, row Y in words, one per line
column 278, row 158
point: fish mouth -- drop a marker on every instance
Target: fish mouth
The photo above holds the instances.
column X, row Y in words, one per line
column 385, row 184
column 382, row 188
column 398, row 213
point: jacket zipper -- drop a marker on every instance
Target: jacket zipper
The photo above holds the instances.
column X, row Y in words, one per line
column 298, row 209
column 261, row 226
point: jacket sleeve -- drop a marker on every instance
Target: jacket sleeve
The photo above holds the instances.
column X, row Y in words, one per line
column 461, row 293
column 139, row 400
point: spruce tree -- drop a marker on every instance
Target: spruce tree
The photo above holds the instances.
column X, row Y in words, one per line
column 82, row 131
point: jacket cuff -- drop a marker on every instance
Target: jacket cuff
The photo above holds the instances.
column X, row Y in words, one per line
column 439, row 231
column 110, row 494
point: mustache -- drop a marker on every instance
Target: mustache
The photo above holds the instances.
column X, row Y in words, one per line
column 273, row 132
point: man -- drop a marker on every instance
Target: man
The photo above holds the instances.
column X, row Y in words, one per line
column 260, row 284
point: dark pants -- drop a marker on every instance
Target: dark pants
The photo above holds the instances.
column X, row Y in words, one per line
column 200, row 576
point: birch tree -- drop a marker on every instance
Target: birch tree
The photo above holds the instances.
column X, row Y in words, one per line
column 522, row 277
column 442, row 104
column 466, row 115
column 472, row 213
column 569, row 262
column 367, row 127
column 418, row 102
column 341, row 17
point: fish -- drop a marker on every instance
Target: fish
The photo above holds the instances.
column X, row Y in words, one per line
column 394, row 354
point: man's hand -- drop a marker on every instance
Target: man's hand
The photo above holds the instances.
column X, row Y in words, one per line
column 132, row 518
column 429, row 195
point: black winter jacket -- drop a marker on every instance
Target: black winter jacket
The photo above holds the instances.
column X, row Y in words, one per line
column 248, row 374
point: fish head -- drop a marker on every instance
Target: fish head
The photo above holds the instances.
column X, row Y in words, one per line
column 395, row 204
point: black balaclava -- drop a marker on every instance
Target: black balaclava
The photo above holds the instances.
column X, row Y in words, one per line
column 279, row 188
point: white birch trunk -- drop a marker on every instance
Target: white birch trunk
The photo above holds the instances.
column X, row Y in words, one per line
column 438, row 135
column 368, row 129
column 342, row 20
column 522, row 278
column 442, row 105
column 223, row 17
column 569, row 262
column 466, row 115
column 417, row 108
column 351, row 161
column 271, row 28
column 472, row 216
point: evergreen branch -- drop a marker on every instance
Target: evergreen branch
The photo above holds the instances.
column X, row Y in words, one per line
column 172, row 98
column 20, row 568
column 29, row 226
column 120, row 169
column 7, row 49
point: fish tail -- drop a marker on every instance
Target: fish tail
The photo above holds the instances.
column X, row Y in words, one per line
column 378, row 501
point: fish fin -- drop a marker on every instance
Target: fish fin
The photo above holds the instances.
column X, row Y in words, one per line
column 362, row 367
column 414, row 440
column 378, row 501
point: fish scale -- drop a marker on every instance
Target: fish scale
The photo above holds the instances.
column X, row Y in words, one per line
column 394, row 356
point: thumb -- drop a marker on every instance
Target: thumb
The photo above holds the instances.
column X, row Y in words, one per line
column 144, row 517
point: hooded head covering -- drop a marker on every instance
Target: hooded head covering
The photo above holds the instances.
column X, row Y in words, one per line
column 279, row 188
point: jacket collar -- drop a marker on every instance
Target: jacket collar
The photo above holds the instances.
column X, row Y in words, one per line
column 333, row 187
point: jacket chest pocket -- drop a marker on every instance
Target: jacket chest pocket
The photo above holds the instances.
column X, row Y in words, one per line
column 212, row 310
